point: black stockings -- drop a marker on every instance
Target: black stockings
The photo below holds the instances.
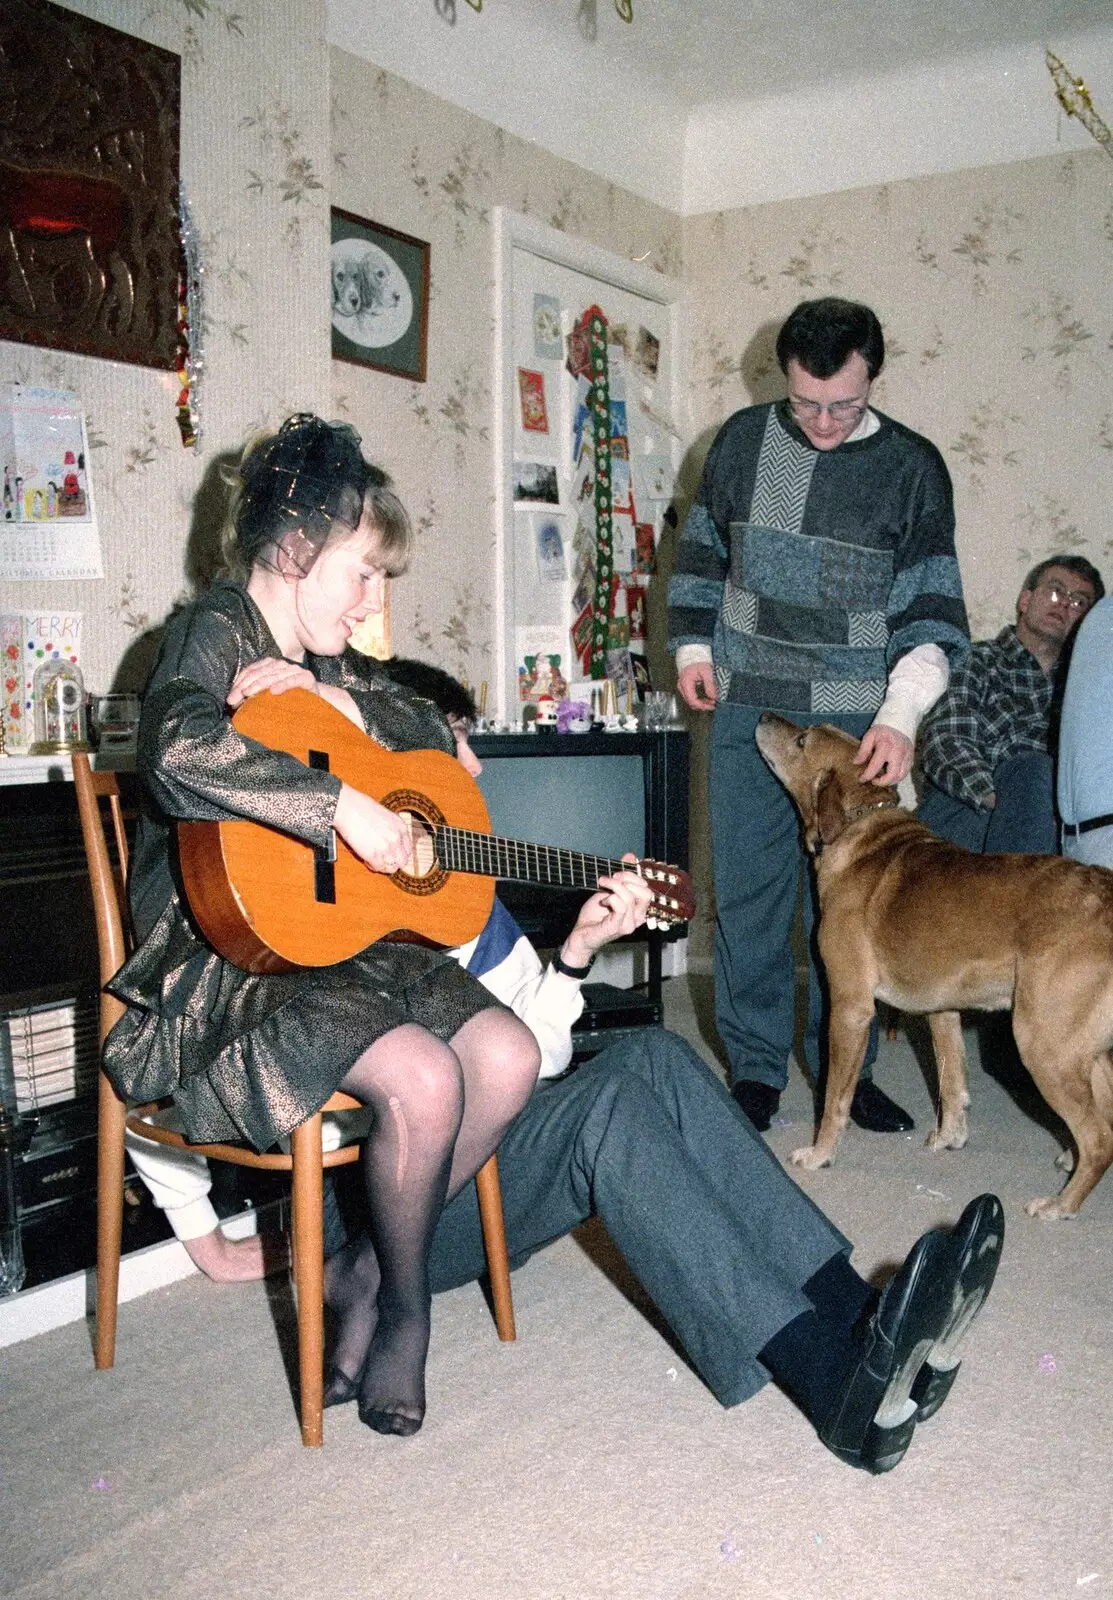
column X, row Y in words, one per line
column 413, row 1084
column 378, row 1286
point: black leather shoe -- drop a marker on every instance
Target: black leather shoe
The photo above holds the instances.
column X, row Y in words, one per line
column 974, row 1248
column 758, row 1100
column 872, row 1422
column 871, row 1108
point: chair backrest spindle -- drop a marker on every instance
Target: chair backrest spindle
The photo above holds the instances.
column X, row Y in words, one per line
column 108, row 886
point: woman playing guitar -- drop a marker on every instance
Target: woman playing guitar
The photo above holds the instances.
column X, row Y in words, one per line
column 403, row 1028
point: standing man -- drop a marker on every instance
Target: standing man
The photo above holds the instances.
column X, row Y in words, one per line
column 816, row 575
column 988, row 743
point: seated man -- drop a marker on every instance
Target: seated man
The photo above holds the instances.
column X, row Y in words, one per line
column 987, row 747
column 1085, row 776
column 750, row 1275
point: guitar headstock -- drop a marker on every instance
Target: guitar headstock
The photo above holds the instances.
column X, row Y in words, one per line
column 674, row 895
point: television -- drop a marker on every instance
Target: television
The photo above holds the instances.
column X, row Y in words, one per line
column 598, row 793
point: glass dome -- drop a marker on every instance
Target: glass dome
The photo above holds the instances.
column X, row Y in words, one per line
column 58, row 696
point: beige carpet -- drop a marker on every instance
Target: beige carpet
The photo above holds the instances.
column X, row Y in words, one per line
column 587, row 1460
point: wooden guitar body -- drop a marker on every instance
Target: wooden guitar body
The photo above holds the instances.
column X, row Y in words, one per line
column 270, row 903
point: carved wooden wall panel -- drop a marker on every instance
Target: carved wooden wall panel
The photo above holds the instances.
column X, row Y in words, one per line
column 90, row 254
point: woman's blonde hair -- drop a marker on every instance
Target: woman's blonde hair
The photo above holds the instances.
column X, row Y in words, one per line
column 304, row 486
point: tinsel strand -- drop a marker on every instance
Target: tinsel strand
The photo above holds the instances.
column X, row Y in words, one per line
column 191, row 325
column 1076, row 100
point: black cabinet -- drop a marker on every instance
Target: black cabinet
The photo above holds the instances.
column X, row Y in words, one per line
column 48, row 1010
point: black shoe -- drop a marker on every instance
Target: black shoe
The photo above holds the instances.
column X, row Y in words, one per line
column 872, row 1422
column 759, row 1101
column 974, row 1244
column 871, row 1108
column 907, row 1350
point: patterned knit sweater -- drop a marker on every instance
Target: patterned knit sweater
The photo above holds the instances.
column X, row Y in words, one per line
column 809, row 572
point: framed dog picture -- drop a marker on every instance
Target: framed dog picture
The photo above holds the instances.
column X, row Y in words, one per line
column 379, row 296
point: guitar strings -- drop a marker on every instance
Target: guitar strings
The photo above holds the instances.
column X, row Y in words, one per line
column 491, row 855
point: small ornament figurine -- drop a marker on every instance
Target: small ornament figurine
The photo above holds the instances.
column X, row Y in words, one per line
column 58, row 694
column 573, row 716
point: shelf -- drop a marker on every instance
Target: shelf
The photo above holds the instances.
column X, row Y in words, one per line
column 59, row 769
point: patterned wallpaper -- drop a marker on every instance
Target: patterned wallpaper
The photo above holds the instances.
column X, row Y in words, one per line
column 995, row 289
column 993, row 285
column 255, row 160
column 415, row 163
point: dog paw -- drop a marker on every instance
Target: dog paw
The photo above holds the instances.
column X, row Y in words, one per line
column 810, row 1156
column 1065, row 1161
column 942, row 1139
column 1049, row 1208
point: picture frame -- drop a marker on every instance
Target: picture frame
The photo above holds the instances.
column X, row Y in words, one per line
column 379, row 296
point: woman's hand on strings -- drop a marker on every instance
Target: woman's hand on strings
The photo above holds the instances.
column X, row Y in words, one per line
column 377, row 836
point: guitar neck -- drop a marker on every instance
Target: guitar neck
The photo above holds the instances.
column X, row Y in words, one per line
column 462, row 850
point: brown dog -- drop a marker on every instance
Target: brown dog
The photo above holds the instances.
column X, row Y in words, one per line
column 909, row 919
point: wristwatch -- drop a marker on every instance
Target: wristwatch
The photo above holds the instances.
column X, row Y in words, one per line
column 571, row 972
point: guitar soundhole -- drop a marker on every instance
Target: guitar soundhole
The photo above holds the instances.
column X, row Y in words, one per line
column 423, row 874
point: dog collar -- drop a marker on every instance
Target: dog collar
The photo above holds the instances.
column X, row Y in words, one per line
column 882, row 803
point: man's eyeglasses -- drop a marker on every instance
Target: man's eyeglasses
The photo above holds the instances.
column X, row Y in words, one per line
column 1076, row 599
column 840, row 411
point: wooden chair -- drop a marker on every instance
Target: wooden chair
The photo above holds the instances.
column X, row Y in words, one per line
column 305, row 1162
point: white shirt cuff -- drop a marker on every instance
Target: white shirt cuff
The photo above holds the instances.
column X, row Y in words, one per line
column 687, row 655
column 915, row 684
column 193, row 1220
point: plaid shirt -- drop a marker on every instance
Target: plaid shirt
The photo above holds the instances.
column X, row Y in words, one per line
column 998, row 703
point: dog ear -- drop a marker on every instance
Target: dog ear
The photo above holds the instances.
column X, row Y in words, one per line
column 828, row 807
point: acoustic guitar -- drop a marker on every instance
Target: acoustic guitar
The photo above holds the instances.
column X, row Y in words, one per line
column 272, row 903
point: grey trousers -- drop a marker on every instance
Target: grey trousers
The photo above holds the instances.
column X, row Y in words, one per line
column 646, row 1137
column 759, row 862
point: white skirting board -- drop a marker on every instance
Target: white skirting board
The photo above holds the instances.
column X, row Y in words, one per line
column 70, row 1299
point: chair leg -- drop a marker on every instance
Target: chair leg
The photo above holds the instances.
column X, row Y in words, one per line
column 111, row 1116
column 494, row 1242
column 309, row 1277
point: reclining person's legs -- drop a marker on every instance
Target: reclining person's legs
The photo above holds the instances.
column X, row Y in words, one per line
column 748, row 1273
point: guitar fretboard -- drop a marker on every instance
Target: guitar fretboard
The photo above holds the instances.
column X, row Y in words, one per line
column 462, row 850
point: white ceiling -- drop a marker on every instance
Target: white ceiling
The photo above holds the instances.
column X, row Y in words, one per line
column 694, row 104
